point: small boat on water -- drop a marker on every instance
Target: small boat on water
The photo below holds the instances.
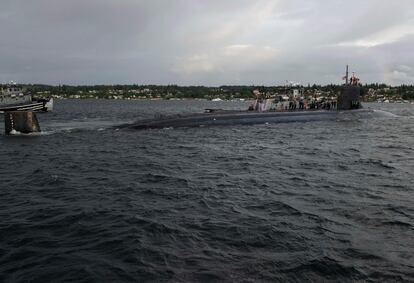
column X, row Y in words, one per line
column 12, row 98
column 289, row 107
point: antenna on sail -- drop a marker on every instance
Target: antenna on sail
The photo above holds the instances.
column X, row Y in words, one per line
column 346, row 77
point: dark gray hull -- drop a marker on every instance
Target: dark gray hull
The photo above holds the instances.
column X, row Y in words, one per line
column 249, row 118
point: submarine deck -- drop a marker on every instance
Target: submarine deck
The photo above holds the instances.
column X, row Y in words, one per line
column 236, row 117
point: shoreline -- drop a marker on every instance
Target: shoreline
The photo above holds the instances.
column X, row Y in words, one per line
column 204, row 99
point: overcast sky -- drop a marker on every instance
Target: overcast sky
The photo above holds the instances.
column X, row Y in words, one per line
column 205, row 42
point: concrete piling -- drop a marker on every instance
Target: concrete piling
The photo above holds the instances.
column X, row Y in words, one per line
column 21, row 121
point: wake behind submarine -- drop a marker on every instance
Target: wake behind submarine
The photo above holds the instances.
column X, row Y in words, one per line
column 291, row 107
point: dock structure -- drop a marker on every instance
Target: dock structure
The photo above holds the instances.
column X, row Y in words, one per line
column 24, row 122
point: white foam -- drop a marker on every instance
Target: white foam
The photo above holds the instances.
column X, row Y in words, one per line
column 14, row 132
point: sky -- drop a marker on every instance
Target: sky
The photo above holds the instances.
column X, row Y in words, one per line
column 206, row 42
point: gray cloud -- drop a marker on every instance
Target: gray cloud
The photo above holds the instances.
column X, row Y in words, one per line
column 205, row 42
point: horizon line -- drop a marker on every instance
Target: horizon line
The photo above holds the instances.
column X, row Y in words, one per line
column 199, row 85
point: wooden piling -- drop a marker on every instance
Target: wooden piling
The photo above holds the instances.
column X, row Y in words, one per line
column 21, row 121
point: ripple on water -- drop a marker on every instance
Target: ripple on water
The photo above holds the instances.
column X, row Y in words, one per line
column 324, row 201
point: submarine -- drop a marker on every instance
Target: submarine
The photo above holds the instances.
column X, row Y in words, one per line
column 347, row 106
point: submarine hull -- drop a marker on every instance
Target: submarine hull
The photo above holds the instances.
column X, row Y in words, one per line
column 249, row 118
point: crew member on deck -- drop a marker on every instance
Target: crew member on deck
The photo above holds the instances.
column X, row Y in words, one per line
column 258, row 104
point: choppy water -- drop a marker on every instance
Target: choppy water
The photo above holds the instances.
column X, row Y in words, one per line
column 319, row 201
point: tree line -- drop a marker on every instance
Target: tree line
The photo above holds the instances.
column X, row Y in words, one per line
column 224, row 92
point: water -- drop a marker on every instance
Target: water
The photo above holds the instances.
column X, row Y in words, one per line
column 319, row 201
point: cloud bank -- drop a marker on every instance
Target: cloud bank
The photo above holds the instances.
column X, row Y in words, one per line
column 205, row 42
